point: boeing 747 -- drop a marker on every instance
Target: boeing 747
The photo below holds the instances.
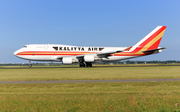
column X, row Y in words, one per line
column 85, row 56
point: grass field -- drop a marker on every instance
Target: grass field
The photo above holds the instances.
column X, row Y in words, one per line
column 90, row 97
column 117, row 97
column 158, row 72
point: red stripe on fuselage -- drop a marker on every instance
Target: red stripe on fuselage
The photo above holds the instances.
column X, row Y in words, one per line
column 53, row 53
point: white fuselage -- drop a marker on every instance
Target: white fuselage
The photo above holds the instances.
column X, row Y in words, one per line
column 54, row 52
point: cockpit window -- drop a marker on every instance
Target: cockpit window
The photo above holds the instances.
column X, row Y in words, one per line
column 25, row 46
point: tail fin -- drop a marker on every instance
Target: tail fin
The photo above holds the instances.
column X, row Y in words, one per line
column 151, row 41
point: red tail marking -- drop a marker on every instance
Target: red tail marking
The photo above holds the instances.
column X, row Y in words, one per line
column 153, row 36
column 155, row 45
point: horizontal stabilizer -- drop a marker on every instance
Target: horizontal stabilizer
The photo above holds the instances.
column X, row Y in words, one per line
column 153, row 50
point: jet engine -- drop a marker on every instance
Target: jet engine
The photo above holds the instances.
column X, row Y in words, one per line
column 67, row 61
column 89, row 58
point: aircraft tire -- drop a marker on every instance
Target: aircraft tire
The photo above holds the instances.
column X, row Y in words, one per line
column 88, row 64
column 30, row 65
column 82, row 65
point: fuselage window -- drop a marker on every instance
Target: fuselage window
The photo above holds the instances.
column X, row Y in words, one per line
column 56, row 48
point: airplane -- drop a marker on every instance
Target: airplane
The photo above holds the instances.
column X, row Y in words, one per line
column 85, row 56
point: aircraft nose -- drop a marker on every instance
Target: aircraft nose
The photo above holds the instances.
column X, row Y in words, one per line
column 16, row 52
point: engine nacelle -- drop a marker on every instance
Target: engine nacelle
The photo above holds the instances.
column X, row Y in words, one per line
column 89, row 58
column 67, row 61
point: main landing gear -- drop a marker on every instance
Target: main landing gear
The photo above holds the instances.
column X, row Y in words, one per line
column 88, row 64
column 85, row 64
column 30, row 65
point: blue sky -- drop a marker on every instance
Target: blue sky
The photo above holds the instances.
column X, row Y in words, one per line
column 115, row 23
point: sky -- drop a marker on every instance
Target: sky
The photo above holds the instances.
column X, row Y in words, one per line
column 106, row 23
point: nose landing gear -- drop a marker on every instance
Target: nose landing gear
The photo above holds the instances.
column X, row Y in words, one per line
column 30, row 65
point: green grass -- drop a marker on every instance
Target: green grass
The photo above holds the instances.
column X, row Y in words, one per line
column 88, row 97
column 159, row 72
column 91, row 97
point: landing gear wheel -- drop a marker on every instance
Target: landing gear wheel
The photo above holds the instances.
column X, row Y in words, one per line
column 30, row 65
column 88, row 64
column 84, row 64
column 81, row 65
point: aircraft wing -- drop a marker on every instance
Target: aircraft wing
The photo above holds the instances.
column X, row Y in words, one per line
column 101, row 55
column 154, row 50
column 106, row 54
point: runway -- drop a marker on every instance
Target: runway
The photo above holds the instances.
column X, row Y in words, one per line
column 87, row 81
column 36, row 67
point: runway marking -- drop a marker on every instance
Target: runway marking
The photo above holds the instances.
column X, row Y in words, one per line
column 87, row 81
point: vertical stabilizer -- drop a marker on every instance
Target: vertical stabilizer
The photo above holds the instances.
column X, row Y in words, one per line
column 150, row 41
